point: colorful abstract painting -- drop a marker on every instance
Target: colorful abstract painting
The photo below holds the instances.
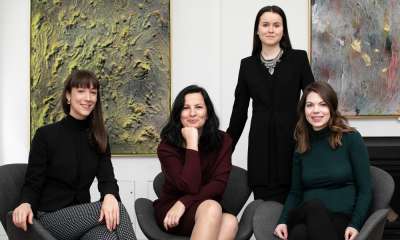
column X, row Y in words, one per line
column 356, row 47
column 126, row 43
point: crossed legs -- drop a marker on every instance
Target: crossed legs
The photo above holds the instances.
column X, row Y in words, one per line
column 211, row 223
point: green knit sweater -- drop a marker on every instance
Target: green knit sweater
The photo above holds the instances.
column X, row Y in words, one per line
column 340, row 178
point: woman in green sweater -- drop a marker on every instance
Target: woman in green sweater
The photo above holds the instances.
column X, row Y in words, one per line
column 331, row 185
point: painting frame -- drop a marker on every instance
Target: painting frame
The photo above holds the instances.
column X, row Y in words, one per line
column 158, row 27
column 372, row 96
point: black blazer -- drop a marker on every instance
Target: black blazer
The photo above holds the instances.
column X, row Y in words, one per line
column 274, row 98
column 62, row 166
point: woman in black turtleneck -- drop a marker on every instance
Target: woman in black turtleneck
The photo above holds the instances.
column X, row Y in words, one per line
column 64, row 159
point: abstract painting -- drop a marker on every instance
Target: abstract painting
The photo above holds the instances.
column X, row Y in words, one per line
column 125, row 43
column 356, row 47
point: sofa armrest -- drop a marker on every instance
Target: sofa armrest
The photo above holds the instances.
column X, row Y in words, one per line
column 35, row 231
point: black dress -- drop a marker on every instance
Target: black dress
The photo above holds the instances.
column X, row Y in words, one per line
column 274, row 98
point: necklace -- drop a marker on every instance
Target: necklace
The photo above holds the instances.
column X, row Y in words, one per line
column 270, row 64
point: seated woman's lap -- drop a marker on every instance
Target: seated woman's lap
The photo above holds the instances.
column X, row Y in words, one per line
column 75, row 221
column 186, row 222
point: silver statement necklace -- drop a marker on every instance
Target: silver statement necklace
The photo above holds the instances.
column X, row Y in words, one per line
column 270, row 64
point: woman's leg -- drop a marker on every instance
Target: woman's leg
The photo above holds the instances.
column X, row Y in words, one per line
column 73, row 222
column 319, row 221
column 99, row 232
column 298, row 232
column 229, row 227
column 207, row 221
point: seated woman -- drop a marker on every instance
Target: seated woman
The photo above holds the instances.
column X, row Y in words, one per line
column 64, row 159
column 331, row 185
column 196, row 161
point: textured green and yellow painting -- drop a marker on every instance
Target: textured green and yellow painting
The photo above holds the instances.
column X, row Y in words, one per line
column 126, row 43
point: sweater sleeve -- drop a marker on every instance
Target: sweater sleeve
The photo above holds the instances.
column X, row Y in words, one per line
column 240, row 108
column 307, row 76
column 184, row 174
column 107, row 184
column 216, row 186
column 295, row 195
column 361, row 173
column 36, row 171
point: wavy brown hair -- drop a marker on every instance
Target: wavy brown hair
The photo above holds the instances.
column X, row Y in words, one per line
column 337, row 123
column 87, row 79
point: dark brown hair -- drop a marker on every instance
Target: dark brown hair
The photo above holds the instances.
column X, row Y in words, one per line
column 337, row 123
column 87, row 79
column 210, row 138
column 284, row 42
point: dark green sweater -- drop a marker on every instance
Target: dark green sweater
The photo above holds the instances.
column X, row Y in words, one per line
column 340, row 178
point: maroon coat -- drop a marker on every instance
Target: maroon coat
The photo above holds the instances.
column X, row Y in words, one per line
column 192, row 176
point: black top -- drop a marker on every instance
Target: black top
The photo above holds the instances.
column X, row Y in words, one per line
column 339, row 178
column 275, row 99
column 62, row 166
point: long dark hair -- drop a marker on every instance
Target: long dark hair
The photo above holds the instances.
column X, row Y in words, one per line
column 337, row 123
column 87, row 79
column 284, row 42
column 210, row 138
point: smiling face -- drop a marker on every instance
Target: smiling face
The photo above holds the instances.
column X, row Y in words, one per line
column 194, row 112
column 270, row 29
column 317, row 111
column 82, row 101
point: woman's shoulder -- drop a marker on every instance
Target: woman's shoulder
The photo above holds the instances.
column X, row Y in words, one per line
column 296, row 53
column 226, row 139
column 249, row 60
column 48, row 129
column 165, row 146
column 353, row 135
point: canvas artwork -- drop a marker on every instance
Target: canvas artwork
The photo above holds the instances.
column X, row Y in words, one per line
column 355, row 47
column 126, row 43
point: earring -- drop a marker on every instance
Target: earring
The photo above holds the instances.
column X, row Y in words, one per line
column 68, row 101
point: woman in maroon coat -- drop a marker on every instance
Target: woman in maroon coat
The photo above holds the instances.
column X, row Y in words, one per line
column 196, row 160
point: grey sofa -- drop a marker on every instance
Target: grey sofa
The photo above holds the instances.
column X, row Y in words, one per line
column 11, row 181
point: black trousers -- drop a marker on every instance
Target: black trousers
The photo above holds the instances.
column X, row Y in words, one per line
column 277, row 193
column 313, row 221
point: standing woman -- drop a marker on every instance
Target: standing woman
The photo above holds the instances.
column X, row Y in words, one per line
column 273, row 77
column 64, row 159
column 196, row 160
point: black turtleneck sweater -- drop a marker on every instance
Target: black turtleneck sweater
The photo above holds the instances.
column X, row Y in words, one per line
column 340, row 177
column 62, row 166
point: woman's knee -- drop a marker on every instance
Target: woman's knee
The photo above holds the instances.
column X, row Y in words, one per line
column 230, row 223
column 209, row 208
column 298, row 232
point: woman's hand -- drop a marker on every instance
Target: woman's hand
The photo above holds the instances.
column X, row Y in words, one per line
column 22, row 215
column 191, row 136
column 281, row 231
column 173, row 215
column 350, row 233
column 110, row 212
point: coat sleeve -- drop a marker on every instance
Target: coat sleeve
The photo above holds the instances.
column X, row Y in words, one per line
column 215, row 188
column 296, row 191
column 107, row 184
column 240, row 107
column 361, row 174
column 185, row 174
column 35, row 175
column 307, row 76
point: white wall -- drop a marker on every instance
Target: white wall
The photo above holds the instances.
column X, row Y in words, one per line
column 208, row 39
